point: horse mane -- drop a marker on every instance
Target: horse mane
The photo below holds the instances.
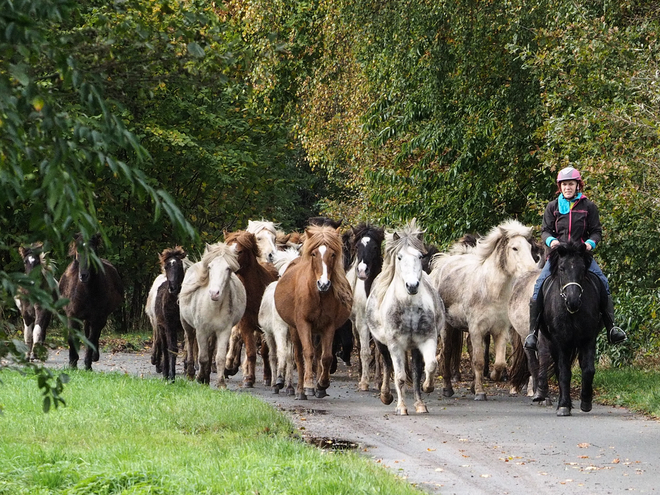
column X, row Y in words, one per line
column 246, row 239
column 284, row 259
column 570, row 249
column 323, row 235
column 211, row 252
column 176, row 252
column 94, row 243
column 256, row 226
column 500, row 235
column 407, row 236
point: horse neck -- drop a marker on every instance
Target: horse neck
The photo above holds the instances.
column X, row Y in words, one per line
column 495, row 279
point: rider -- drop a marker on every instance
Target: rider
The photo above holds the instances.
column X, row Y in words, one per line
column 571, row 217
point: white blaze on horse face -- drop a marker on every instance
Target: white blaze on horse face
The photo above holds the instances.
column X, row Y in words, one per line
column 323, row 283
column 409, row 266
column 362, row 266
column 219, row 275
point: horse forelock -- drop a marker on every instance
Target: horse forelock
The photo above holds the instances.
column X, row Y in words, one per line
column 256, row 226
column 212, row 251
column 569, row 249
column 169, row 253
column 247, row 240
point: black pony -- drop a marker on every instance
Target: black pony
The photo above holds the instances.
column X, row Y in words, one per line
column 571, row 314
column 93, row 293
column 168, row 322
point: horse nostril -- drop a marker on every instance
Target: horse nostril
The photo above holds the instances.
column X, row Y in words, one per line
column 323, row 286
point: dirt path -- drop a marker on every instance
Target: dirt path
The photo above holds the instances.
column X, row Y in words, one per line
column 505, row 445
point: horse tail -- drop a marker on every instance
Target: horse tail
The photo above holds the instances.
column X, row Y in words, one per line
column 518, row 371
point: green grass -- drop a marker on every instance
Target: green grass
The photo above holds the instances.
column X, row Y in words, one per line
column 125, row 435
column 635, row 388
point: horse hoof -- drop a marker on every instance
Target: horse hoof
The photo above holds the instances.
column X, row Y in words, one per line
column 548, row 402
column 95, row 356
column 386, row 398
column 309, row 391
column 447, row 392
column 280, row 383
column 563, row 411
column 480, row 397
column 428, row 389
column 159, row 369
column 320, row 393
column 290, row 391
column 421, row 409
column 538, row 397
column 401, row 411
column 248, row 384
column 230, row 372
column 267, row 383
column 585, row 406
column 301, row 397
column 363, row 387
column 276, row 390
column 73, row 365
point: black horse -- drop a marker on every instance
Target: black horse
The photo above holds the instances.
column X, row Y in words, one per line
column 168, row 322
column 572, row 320
column 93, row 293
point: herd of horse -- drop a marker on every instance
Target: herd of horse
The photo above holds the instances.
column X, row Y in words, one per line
column 302, row 300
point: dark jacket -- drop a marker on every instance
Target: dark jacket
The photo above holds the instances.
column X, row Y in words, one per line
column 579, row 224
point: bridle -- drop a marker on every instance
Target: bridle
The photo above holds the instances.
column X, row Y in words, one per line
column 563, row 295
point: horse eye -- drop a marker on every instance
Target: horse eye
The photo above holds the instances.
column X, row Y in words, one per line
column 515, row 249
column 313, row 255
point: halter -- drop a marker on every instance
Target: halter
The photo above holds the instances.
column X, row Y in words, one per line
column 563, row 295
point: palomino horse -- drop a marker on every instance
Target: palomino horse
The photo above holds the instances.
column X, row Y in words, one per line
column 475, row 286
column 35, row 318
column 212, row 300
column 314, row 298
column 93, row 292
column 571, row 316
column 404, row 313
column 266, row 235
column 365, row 243
column 255, row 277
column 276, row 331
column 166, row 306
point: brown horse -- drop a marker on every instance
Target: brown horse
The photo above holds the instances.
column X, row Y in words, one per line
column 35, row 318
column 93, row 293
column 314, row 298
column 166, row 309
column 255, row 277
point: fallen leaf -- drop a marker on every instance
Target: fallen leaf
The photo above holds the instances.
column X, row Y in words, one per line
column 616, row 461
column 485, row 475
column 430, row 449
column 583, row 457
column 583, row 445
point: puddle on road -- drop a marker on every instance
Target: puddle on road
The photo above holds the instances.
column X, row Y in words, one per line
column 326, row 443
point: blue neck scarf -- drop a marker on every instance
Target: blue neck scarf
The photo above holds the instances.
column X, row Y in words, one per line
column 565, row 204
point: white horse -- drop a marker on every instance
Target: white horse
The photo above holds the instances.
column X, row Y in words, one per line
column 475, row 285
column 266, row 234
column 404, row 313
column 212, row 301
column 276, row 330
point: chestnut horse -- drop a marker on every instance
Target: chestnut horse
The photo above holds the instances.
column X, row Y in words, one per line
column 93, row 293
column 35, row 318
column 314, row 298
column 255, row 277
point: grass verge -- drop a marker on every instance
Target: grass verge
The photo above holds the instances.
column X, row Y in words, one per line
column 125, row 435
column 635, row 388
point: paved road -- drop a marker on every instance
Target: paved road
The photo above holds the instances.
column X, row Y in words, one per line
column 505, row 445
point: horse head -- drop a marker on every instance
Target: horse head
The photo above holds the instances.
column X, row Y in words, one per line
column 366, row 244
column 80, row 250
column 569, row 264
column 266, row 235
column 32, row 256
column 323, row 250
column 511, row 242
column 404, row 254
column 219, row 262
column 244, row 244
column 171, row 260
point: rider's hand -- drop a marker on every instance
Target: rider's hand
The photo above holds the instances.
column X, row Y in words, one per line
column 554, row 244
column 589, row 248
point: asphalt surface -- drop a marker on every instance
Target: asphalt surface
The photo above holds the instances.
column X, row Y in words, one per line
column 505, row 445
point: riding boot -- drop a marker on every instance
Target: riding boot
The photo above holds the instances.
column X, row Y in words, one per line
column 614, row 334
column 535, row 315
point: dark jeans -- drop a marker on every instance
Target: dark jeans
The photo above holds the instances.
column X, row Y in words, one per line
column 545, row 273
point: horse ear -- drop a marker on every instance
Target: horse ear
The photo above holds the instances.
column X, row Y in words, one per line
column 22, row 251
column 420, row 236
column 396, row 236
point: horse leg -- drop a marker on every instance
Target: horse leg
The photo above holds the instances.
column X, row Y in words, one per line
column 233, row 360
column 448, row 335
column 28, row 336
column 477, row 339
column 428, row 351
column 191, row 344
column 221, row 345
column 247, row 334
column 499, row 368
column 587, row 358
column 417, row 366
column 265, row 356
column 204, row 360
column 385, row 392
column 323, row 382
column 564, row 378
column 289, row 369
column 269, row 339
column 93, row 333
column 544, row 365
column 172, row 348
column 298, row 355
column 74, row 343
column 363, row 334
column 399, row 367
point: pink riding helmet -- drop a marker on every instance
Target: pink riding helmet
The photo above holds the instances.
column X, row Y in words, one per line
column 569, row 173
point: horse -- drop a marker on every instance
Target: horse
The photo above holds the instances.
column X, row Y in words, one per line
column 94, row 291
column 475, row 285
column 571, row 322
column 276, row 331
column 255, row 277
column 314, row 298
column 166, row 309
column 365, row 242
column 212, row 300
column 35, row 318
column 404, row 313
column 266, row 235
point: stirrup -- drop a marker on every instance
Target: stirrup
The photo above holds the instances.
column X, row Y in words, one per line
column 615, row 335
column 530, row 342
